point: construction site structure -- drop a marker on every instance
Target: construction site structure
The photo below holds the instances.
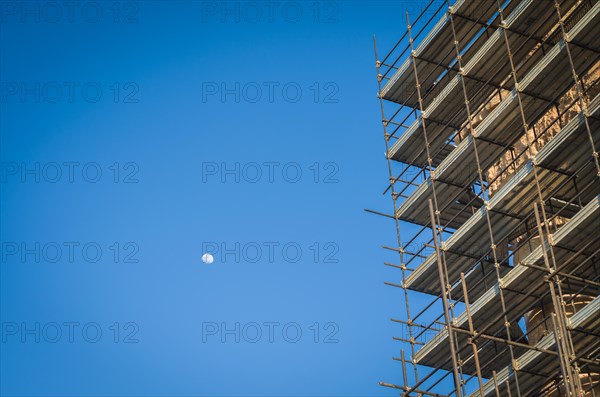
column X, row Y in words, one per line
column 491, row 121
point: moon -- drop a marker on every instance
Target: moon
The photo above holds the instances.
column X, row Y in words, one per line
column 208, row 259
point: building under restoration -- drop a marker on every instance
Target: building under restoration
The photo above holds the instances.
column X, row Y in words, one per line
column 491, row 119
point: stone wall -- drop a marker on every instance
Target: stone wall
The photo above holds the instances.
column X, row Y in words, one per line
column 540, row 132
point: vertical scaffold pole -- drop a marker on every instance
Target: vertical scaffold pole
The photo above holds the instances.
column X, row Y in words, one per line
column 449, row 325
column 391, row 182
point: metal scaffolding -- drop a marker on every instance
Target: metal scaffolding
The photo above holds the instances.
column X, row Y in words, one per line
column 491, row 121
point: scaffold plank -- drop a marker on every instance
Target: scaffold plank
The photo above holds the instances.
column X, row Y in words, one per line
column 577, row 233
column 538, row 362
column 447, row 109
column 503, row 125
column 438, row 48
column 515, row 197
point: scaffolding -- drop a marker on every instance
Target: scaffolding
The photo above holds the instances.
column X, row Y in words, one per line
column 491, row 121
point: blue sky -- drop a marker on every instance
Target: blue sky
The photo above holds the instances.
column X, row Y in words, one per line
column 132, row 143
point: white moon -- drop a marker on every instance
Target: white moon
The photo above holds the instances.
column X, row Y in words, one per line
column 208, row 259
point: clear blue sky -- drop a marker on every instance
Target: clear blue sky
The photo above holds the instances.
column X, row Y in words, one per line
column 138, row 96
